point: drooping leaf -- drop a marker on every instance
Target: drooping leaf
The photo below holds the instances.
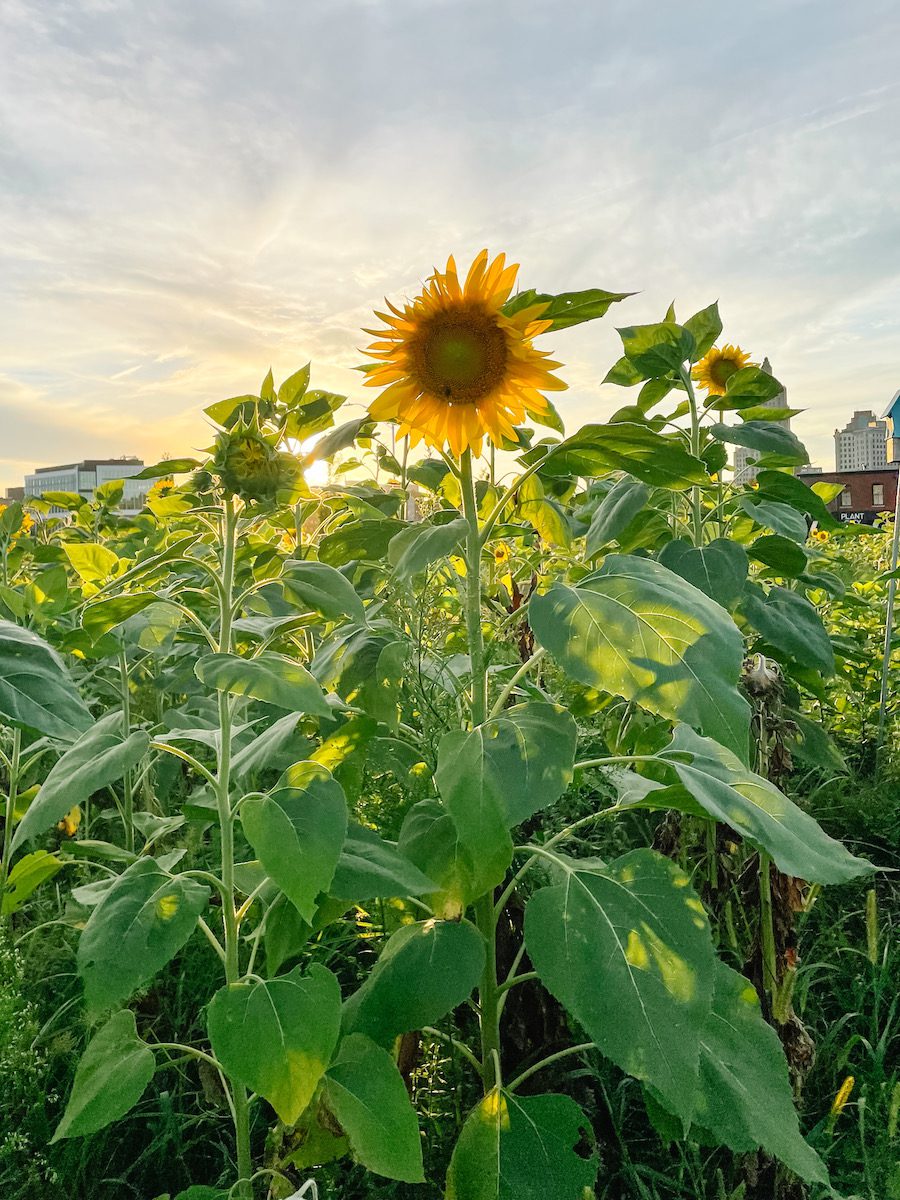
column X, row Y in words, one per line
column 324, row 589
column 99, row 757
column 424, row 972
column 640, row 631
column 169, row 467
column 776, row 443
column 429, row 838
column 26, row 877
column 523, row 1148
column 336, row 439
column 788, row 489
column 366, row 1094
column 730, row 792
column 298, row 833
column 276, row 748
column 784, row 556
column 417, row 546
column 789, row 623
column 370, row 868
column 718, row 568
column 139, row 925
column 625, row 446
column 745, row 1098
column 111, row 1077
column 749, row 386
column 627, row 950
column 780, row 518
column 36, row 690
column 616, row 510
column 545, row 514
column 104, row 615
column 277, row 1037
column 273, row 678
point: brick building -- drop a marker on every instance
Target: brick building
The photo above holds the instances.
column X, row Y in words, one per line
column 865, row 495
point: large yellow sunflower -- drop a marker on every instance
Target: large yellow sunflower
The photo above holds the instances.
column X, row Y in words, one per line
column 714, row 371
column 455, row 369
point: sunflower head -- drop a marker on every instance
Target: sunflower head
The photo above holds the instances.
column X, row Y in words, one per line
column 160, row 489
column 251, row 466
column 714, row 370
column 502, row 553
column 454, row 367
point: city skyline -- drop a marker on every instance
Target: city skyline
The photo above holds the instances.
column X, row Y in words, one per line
column 177, row 221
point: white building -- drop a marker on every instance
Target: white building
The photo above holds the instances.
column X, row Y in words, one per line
column 743, row 470
column 82, row 478
column 862, row 444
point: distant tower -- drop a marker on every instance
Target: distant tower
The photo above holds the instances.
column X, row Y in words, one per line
column 862, row 444
column 743, row 470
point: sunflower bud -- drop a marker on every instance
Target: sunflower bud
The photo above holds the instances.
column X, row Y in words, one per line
column 252, row 467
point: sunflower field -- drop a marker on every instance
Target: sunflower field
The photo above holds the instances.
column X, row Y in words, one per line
column 509, row 818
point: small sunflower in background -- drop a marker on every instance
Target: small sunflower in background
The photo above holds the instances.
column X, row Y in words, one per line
column 502, row 554
column 714, row 370
column 70, row 822
column 162, row 487
column 821, row 535
column 454, row 367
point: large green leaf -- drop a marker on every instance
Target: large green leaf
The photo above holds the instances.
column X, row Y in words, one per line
column 546, row 515
column 657, row 350
column 567, row 308
column 370, row 868
column 139, row 925
column 499, row 774
column 627, row 950
column 718, row 568
column 366, row 541
column 785, row 557
column 324, row 589
column 270, row 677
column 640, row 631
column 365, row 1092
column 92, row 561
column 730, row 792
column 776, row 443
column 616, row 510
column 430, row 838
column 36, row 691
column 704, row 327
column 625, row 446
column 745, row 1098
column 424, row 972
column 523, row 1148
column 99, row 618
column 791, row 624
column 415, row 547
column 277, row 1037
column 780, row 518
column 276, row 748
column 98, row 758
column 524, row 758
column 749, row 386
column 112, row 1076
column 298, row 833
column 788, row 489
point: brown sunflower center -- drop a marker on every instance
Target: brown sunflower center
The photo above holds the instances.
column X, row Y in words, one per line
column 722, row 370
column 459, row 356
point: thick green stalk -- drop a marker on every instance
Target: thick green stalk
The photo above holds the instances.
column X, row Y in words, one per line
column 696, row 502
column 226, row 829
column 766, row 925
column 488, row 992
column 12, row 793
column 128, row 783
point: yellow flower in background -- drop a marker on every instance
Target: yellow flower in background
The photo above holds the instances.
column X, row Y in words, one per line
column 502, row 553
column 26, row 523
column 70, row 822
column 455, row 369
column 840, row 1100
column 821, row 535
column 714, row 371
column 162, row 487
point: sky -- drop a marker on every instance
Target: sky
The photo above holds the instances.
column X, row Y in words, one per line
column 193, row 191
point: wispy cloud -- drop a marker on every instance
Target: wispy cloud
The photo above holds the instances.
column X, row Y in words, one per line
column 189, row 193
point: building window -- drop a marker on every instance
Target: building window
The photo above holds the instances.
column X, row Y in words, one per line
column 846, row 498
column 878, row 494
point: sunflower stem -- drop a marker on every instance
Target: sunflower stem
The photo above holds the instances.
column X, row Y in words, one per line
column 696, row 501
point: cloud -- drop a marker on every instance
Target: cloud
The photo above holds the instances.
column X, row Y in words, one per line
column 191, row 193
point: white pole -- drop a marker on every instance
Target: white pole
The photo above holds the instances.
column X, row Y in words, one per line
column 889, row 619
